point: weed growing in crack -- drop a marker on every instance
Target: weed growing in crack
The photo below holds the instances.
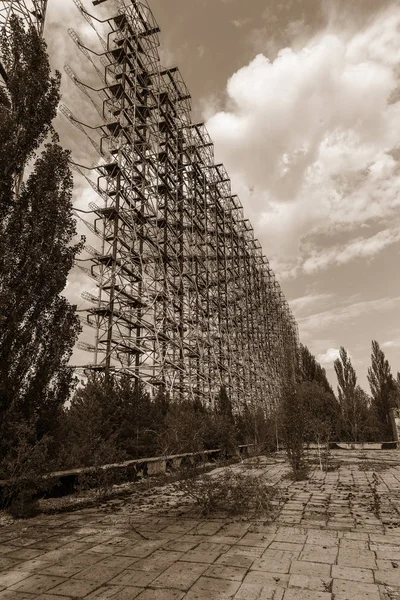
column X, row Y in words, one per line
column 376, row 500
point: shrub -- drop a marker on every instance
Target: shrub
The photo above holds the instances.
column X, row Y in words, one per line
column 22, row 469
column 231, row 492
column 294, row 427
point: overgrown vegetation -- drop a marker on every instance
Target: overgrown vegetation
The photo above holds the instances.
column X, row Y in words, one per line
column 116, row 419
column 38, row 327
column 230, row 492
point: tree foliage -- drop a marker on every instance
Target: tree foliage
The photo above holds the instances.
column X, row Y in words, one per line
column 28, row 104
column 38, row 327
column 382, row 384
column 322, row 411
column 311, row 370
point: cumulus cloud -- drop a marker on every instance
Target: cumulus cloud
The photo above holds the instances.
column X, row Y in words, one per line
column 358, row 248
column 310, row 142
column 328, row 357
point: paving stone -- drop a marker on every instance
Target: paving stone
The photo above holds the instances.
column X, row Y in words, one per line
column 8, row 595
column 310, row 582
column 267, row 578
column 4, row 549
column 299, row 594
column 180, row 546
column 135, row 578
column 390, row 554
column 276, row 565
column 12, row 577
column 388, row 577
column 158, row 561
column 140, row 549
column 75, row 588
column 310, row 569
column 209, row 528
column 114, row 592
column 37, row 584
column 319, row 554
column 225, row 572
column 161, row 595
column 99, row 574
column 355, row 535
column 235, row 560
column 288, row 546
column 24, row 553
column 353, row 590
column 53, row 597
column 249, row 551
column 205, row 553
column 252, row 591
column 387, row 565
column 7, row 563
column 353, row 574
column 210, row 586
column 291, row 534
column 260, row 540
column 181, row 575
column 110, row 561
column 354, row 544
column 360, row 559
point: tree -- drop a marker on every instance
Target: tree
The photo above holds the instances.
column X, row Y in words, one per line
column 293, row 419
column 321, row 406
column 311, row 370
column 38, row 327
column 112, row 419
column 383, row 386
column 223, row 405
column 321, row 412
column 347, row 382
column 353, row 400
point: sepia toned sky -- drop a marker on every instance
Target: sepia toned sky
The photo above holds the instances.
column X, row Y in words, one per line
column 302, row 100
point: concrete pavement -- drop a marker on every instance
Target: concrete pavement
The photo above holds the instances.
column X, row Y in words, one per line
column 337, row 537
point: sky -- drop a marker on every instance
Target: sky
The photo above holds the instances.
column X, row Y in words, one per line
column 302, row 101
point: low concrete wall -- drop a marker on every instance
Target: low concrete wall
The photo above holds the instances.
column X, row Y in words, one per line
column 362, row 445
column 67, row 482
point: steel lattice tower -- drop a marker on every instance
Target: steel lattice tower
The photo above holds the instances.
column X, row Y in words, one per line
column 30, row 11
column 186, row 299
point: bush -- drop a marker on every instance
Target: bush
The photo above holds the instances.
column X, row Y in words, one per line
column 294, row 427
column 22, row 469
column 98, row 478
column 232, row 492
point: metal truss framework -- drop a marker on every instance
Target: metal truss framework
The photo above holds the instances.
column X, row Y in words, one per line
column 30, row 11
column 186, row 299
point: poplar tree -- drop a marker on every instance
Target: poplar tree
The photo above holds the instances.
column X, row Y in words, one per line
column 347, row 392
column 382, row 384
column 311, row 370
column 38, row 326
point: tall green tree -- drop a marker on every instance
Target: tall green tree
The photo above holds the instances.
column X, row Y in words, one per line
column 38, row 326
column 382, row 384
column 321, row 405
column 311, row 370
column 223, row 404
column 348, row 399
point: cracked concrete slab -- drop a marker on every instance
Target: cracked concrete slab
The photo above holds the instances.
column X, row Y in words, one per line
column 336, row 535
